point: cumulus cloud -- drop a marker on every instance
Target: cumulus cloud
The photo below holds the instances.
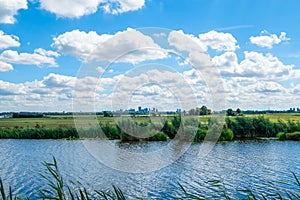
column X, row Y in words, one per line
column 219, row 41
column 70, row 8
column 7, row 41
column 87, row 46
column 255, row 65
column 57, row 80
column 266, row 87
column 227, row 63
column 121, row 6
column 263, row 66
column 79, row 8
column 7, row 88
column 79, row 43
column 4, row 67
column 40, row 57
column 185, row 42
column 194, row 48
column 9, row 8
column 268, row 40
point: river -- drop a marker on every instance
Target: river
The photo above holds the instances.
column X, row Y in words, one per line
column 262, row 166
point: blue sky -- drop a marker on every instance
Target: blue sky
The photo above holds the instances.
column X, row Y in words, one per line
column 45, row 46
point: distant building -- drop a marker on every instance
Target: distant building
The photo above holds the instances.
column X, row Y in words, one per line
column 178, row 111
column 131, row 111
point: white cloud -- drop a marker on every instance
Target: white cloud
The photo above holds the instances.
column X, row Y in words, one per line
column 70, row 8
column 100, row 69
column 266, row 87
column 40, row 58
column 268, row 40
column 7, row 41
column 185, row 42
column 4, row 67
column 44, row 52
column 219, row 41
column 227, row 62
column 57, row 80
column 254, row 66
column 121, row 6
column 261, row 66
column 193, row 47
column 88, row 46
column 9, row 8
column 79, row 8
column 79, row 43
column 7, row 88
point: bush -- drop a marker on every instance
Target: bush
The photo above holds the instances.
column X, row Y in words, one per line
column 200, row 135
column 293, row 136
column 281, row 136
column 160, row 136
column 226, row 135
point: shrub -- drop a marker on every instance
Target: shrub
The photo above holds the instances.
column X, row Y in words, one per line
column 281, row 136
column 160, row 136
column 200, row 135
column 293, row 136
column 226, row 135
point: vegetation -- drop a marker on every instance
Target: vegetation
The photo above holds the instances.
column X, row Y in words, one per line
column 246, row 127
column 239, row 126
column 39, row 133
column 58, row 189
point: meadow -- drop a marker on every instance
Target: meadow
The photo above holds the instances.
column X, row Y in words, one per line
column 67, row 121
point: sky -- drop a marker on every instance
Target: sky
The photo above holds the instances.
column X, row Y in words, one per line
column 99, row 55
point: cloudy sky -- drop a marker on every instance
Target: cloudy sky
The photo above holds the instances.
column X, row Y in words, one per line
column 103, row 55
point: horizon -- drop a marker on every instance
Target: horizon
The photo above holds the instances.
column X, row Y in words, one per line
column 46, row 53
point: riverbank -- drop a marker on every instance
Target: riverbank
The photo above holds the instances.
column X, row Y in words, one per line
column 235, row 128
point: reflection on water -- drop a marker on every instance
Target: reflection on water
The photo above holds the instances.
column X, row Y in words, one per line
column 253, row 165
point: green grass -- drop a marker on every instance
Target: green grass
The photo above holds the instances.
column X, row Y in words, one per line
column 57, row 188
column 285, row 117
column 67, row 121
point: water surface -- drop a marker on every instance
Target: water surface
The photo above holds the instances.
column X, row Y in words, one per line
column 258, row 165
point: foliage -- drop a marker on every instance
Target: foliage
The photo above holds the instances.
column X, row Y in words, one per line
column 39, row 133
column 226, row 135
column 248, row 126
column 293, row 136
column 200, row 135
column 160, row 136
column 281, row 136
column 230, row 112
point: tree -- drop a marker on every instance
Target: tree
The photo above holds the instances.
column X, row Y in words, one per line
column 107, row 114
column 192, row 111
column 230, row 112
column 239, row 111
column 203, row 110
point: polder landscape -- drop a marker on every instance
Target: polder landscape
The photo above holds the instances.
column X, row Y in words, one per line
column 253, row 127
column 281, row 126
column 149, row 99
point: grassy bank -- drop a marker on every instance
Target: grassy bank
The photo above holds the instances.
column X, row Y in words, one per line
column 58, row 188
column 283, row 126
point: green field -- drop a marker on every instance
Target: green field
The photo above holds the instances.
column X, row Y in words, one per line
column 67, row 121
column 285, row 117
